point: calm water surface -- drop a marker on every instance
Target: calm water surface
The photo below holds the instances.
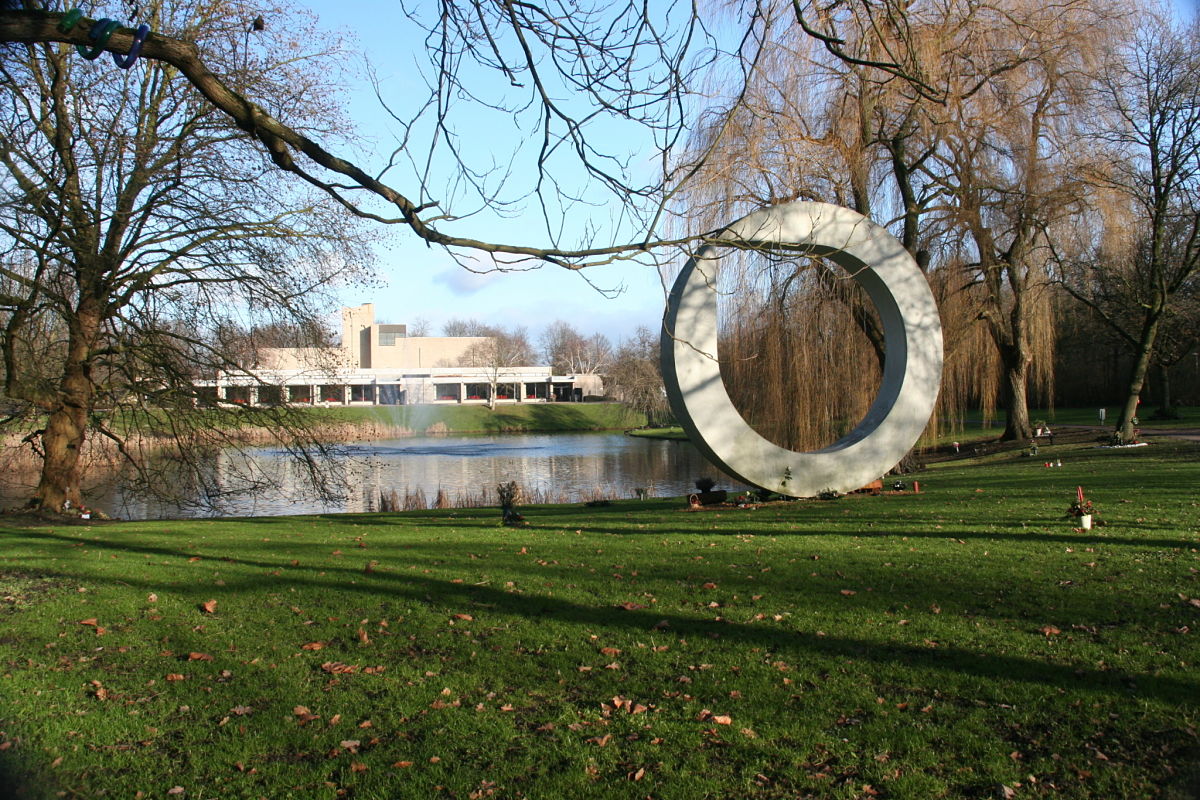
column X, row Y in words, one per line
column 561, row 467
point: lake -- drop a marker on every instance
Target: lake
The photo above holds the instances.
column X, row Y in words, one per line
column 558, row 467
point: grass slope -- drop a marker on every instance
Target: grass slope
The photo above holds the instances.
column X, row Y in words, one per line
column 962, row 642
column 505, row 418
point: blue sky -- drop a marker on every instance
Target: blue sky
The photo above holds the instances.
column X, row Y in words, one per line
column 426, row 282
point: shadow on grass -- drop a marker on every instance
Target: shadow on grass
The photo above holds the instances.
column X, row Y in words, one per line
column 17, row 783
column 543, row 518
column 422, row 590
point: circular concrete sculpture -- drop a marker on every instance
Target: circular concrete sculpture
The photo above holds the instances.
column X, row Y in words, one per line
column 912, row 366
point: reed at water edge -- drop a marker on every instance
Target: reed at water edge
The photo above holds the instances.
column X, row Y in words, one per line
column 406, row 499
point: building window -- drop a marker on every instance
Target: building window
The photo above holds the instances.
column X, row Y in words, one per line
column 388, row 334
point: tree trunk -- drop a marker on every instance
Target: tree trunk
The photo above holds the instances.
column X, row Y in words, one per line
column 66, row 428
column 1137, row 377
column 1013, row 388
column 1166, row 409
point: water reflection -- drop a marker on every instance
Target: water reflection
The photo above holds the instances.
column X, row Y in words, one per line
column 568, row 467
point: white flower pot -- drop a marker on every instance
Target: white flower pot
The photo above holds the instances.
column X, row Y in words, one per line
column 1085, row 522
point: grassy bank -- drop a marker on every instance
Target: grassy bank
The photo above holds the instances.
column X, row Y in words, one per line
column 514, row 418
column 961, row 642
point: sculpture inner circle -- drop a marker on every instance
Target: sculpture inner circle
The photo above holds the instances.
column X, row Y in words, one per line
column 912, row 366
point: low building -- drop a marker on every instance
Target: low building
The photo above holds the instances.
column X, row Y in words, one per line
column 380, row 364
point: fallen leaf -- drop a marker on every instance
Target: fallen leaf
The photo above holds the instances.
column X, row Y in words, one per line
column 338, row 668
column 637, row 776
column 610, row 651
column 199, row 657
column 301, row 711
column 152, row 598
column 241, row 711
column 403, row 764
column 466, row 617
column 722, row 719
column 1049, row 630
column 849, row 592
column 89, row 621
column 175, row 790
column 312, row 646
column 209, row 606
column 358, row 766
column 175, row 676
column 350, row 744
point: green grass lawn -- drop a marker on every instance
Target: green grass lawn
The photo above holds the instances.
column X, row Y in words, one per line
column 964, row 642
column 506, row 417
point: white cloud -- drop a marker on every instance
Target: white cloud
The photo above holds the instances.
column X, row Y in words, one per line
column 462, row 282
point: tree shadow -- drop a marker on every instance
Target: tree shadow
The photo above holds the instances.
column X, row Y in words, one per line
column 421, row 589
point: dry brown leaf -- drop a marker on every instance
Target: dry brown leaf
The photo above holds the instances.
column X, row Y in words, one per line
column 312, row 646
column 199, row 657
column 1049, row 630
column 466, row 617
column 403, row 764
column 175, row 676
column 89, row 621
column 209, row 606
column 611, row 651
column 303, row 715
column 338, row 668
column 358, row 766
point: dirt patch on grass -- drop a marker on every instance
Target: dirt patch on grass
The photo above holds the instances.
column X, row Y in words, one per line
column 22, row 589
column 25, row 518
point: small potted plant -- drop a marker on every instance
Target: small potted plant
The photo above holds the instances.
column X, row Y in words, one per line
column 705, row 494
column 1082, row 509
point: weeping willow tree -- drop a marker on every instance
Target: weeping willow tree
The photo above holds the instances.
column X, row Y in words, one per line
column 801, row 344
column 975, row 168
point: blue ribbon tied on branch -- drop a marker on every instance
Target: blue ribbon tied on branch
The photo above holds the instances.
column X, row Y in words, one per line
column 101, row 32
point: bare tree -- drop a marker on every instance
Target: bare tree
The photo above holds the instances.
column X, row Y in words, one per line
column 134, row 222
column 1142, row 273
column 499, row 352
column 636, row 377
column 569, row 352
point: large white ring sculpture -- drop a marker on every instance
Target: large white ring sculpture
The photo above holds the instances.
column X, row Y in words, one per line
column 912, row 365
